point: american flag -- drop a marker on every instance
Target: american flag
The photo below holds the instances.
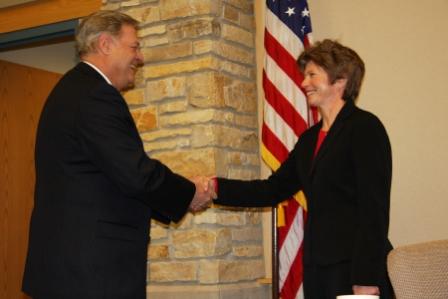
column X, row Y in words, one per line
column 286, row 116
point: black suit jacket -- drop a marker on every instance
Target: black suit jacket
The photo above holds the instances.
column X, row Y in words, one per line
column 347, row 186
column 96, row 190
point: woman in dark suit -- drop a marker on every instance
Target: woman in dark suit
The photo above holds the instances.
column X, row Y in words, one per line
column 343, row 165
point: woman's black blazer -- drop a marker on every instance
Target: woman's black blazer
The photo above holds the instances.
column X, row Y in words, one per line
column 347, row 186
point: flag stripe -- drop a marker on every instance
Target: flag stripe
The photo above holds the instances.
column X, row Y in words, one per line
column 278, row 126
column 285, row 36
column 286, row 62
column 286, row 117
column 290, row 286
column 288, row 250
column 290, row 214
column 296, row 272
column 273, row 144
column 283, row 107
column 288, row 88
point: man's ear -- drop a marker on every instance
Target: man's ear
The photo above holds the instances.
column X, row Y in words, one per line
column 105, row 43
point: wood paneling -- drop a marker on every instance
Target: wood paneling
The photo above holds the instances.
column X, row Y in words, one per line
column 23, row 91
column 44, row 12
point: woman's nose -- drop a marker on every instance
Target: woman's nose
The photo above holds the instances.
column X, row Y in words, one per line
column 304, row 82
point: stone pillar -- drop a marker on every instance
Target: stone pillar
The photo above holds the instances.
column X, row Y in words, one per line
column 195, row 105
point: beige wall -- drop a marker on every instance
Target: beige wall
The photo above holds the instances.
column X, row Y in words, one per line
column 405, row 47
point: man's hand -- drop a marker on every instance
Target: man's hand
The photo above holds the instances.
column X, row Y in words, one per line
column 203, row 196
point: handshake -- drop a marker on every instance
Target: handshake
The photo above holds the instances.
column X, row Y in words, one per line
column 204, row 195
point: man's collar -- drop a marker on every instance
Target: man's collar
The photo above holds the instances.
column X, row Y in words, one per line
column 98, row 70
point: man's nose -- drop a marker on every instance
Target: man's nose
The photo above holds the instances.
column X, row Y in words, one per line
column 140, row 57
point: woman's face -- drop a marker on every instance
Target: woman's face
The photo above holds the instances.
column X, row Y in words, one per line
column 319, row 91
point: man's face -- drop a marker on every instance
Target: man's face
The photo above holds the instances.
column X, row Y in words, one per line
column 125, row 58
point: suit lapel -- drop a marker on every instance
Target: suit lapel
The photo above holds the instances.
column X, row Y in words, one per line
column 332, row 134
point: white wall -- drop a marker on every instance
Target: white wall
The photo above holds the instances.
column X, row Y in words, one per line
column 58, row 58
column 404, row 44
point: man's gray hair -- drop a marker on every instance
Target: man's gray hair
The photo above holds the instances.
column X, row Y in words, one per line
column 92, row 26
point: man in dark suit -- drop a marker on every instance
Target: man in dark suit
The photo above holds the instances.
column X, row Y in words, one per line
column 96, row 189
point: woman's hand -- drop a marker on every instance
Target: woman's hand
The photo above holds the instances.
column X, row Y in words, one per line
column 366, row 290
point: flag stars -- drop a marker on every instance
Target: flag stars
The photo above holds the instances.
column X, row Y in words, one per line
column 290, row 11
column 305, row 12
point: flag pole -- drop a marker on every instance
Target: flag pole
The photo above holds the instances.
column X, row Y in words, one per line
column 275, row 265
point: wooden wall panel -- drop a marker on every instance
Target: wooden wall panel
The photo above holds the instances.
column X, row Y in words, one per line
column 44, row 12
column 23, row 91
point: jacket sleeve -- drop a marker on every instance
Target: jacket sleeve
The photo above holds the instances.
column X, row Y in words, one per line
column 280, row 186
column 110, row 139
column 373, row 171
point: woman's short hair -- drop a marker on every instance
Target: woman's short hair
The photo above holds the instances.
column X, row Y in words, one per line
column 339, row 62
column 93, row 25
